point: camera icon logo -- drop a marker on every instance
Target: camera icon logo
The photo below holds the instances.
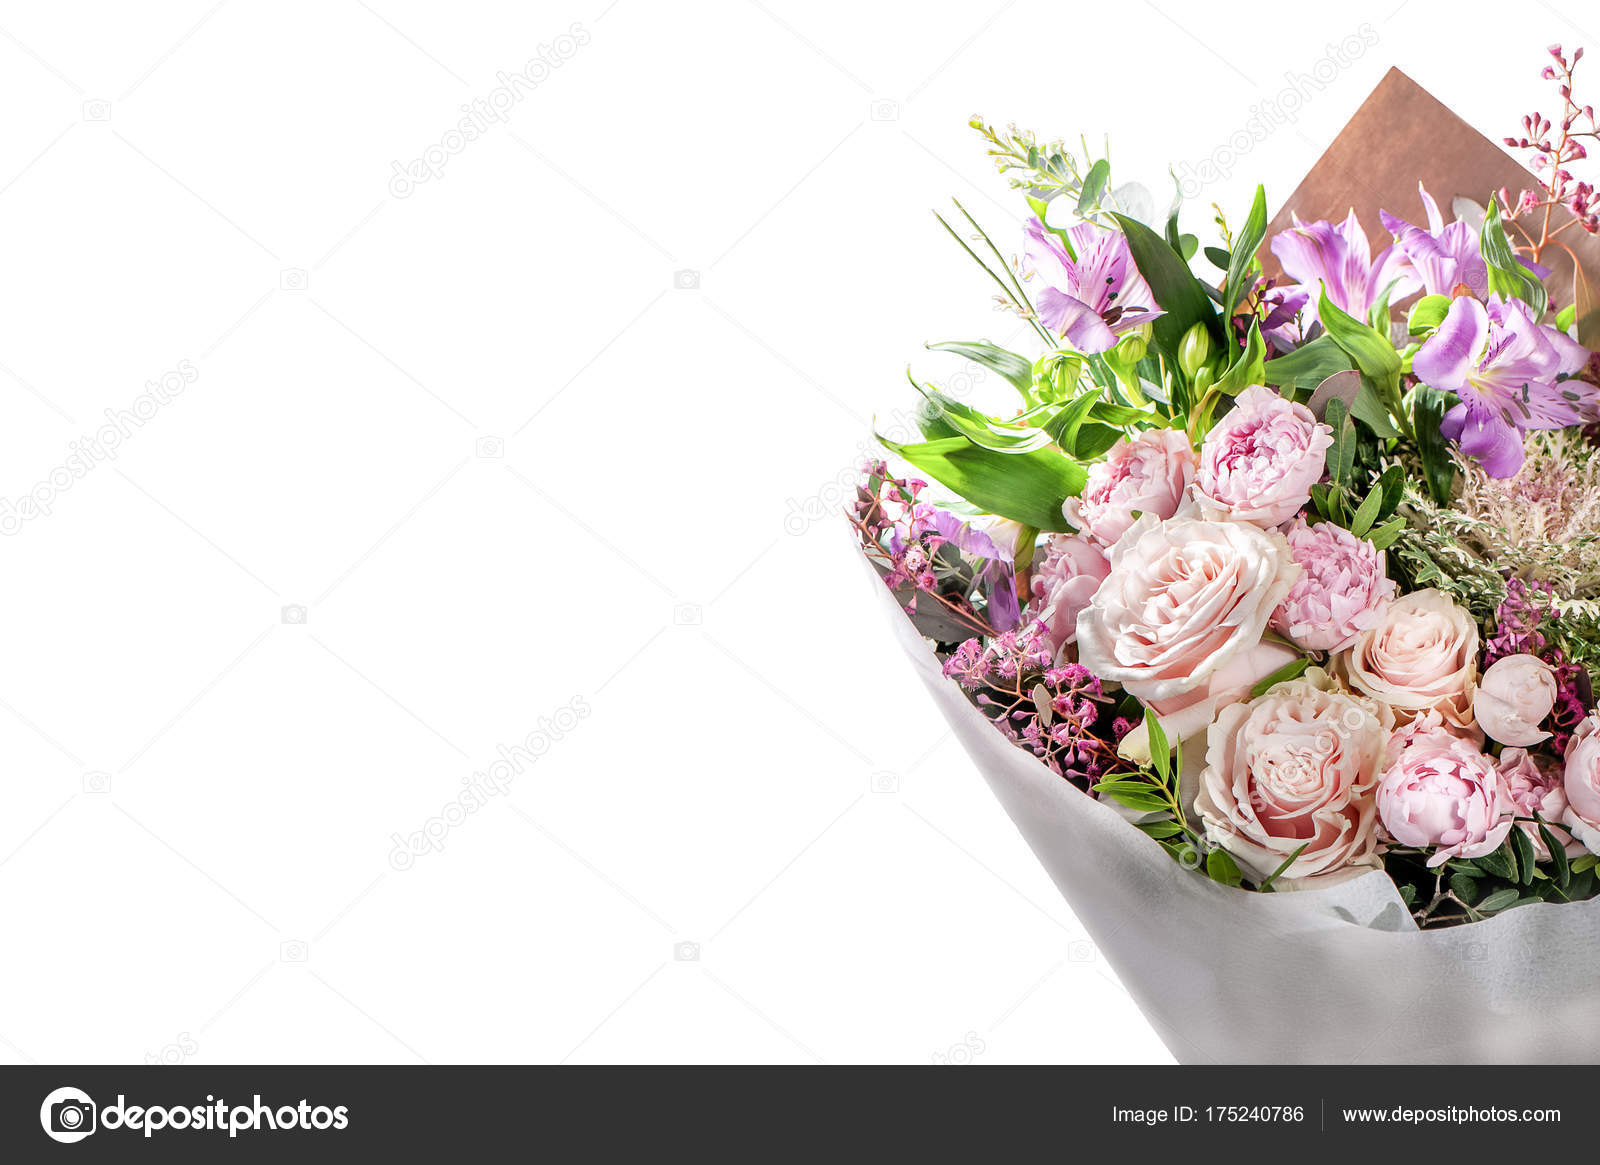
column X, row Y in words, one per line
column 294, row 613
column 1080, row 951
column 688, row 615
column 97, row 782
column 884, row 109
column 293, row 951
column 294, row 279
column 68, row 1115
column 686, row 952
column 686, row 280
column 885, row 782
column 491, row 447
column 1475, row 952
column 97, row 109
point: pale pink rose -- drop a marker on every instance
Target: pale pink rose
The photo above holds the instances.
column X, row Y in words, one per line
column 1148, row 473
column 1063, row 582
column 1440, row 792
column 1184, row 598
column 1296, row 767
column 1422, row 654
column 1514, row 696
column 1582, row 783
column 1536, row 790
column 1259, row 462
column 1341, row 592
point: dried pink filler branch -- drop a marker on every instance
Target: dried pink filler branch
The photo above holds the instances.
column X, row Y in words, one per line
column 1551, row 157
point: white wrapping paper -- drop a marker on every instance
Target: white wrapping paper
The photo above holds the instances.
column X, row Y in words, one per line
column 1333, row 976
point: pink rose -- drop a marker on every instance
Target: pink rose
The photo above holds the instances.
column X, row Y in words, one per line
column 1422, row 654
column 1259, row 462
column 1536, row 790
column 1582, row 783
column 1513, row 698
column 1440, row 791
column 1185, row 598
column 1063, row 582
column 1341, row 592
column 1296, row 767
column 1148, row 473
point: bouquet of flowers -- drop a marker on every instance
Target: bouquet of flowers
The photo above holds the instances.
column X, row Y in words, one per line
column 1289, row 572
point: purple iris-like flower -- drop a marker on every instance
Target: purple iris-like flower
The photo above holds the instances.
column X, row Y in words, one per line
column 1504, row 369
column 1442, row 256
column 1092, row 299
column 1318, row 254
column 999, row 581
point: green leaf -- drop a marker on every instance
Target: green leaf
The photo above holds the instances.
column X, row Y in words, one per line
column 1182, row 297
column 1341, row 455
column 1558, row 856
column 1266, row 885
column 1160, row 829
column 1026, row 487
column 1366, row 513
column 1160, row 751
column 1063, row 430
column 1134, row 795
column 1221, row 867
column 1244, row 252
column 986, row 432
column 1499, row 900
column 1427, row 313
column 1392, row 483
column 1385, row 535
column 1526, row 859
column 1438, row 467
column 1249, row 368
column 1017, row 369
column 1506, row 275
column 1094, row 182
column 1585, row 862
column 1566, row 317
column 1093, row 440
column 1307, row 366
column 1500, row 863
column 1292, row 670
column 1464, row 887
column 1377, row 359
column 1218, row 258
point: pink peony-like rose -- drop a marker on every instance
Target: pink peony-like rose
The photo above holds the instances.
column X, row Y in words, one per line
column 1063, row 582
column 1441, row 792
column 1341, row 592
column 1514, row 696
column 1296, row 767
column 1185, row 598
column 1422, row 654
column 1582, row 783
column 1149, row 473
column 1259, row 462
column 1536, row 790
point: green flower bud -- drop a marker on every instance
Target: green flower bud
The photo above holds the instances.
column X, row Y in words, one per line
column 1194, row 350
column 1135, row 344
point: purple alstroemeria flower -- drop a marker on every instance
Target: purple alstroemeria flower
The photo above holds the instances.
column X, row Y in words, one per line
column 1284, row 312
column 1091, row 300
column 1319, row 254
column 1005, row 614
column 1503, row 368
column 1442, row 256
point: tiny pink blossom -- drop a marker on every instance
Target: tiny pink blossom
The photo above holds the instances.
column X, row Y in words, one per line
column 1148, row 473
column 1259, row 462
column 1342, row 589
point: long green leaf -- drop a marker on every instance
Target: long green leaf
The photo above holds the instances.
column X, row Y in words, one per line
column 1017, row 369
column 1181, row 296
column 1506, row 275
column 1438, row 467
column 1308, row 365
column 1244, row 252
column 1027, row 487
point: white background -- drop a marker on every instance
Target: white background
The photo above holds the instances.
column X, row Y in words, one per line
column 505, row 463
